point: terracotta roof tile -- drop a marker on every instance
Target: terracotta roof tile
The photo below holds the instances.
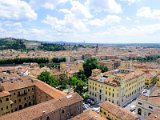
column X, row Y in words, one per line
column 88, row 115
column 4, row 93
column 118, row 111
column 154, row 116
column 36, row 111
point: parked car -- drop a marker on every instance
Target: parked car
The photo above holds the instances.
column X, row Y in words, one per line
column 90, row 101
column 132, row 108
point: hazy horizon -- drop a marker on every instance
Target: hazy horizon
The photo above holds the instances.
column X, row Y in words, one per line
column 79, row 21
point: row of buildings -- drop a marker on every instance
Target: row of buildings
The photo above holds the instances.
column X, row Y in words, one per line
column 26, row 98
column 110, row 111
column 122, row 86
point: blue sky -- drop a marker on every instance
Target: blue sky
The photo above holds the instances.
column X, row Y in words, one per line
column 103, row 21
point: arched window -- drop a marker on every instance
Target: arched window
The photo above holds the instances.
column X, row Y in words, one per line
column 30, row 104
column 139, row 111
column 48, row 118
column 25, row 105
column 7, row 99
column 20, row 107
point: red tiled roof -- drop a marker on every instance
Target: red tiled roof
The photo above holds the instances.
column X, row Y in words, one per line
column 117, row 111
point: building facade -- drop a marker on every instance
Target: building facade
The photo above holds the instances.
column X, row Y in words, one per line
column 111, row 111
column 147, row 103
column 118, row 86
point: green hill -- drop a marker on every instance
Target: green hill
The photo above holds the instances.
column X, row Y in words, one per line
column 11, row 43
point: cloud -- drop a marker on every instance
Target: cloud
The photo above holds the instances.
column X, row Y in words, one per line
column 68, row 24
column 73, row 21
column 147, row 12
column 110, row 6
column 108, row 20
column 79, row 19
column 49, row 6
column 136, row 30
column 131, row 1
column 79, row 10
column 16, row 10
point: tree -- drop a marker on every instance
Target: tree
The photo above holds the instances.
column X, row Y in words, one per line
column 82, row 76
column 73, row 81
column 90, row 63
column 103, row 68
column 80, row 87
column 48, row 78
column 79, row 83
column 58, row 60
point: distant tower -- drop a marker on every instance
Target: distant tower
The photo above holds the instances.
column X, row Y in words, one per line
column 97, row 48
column 130, row 65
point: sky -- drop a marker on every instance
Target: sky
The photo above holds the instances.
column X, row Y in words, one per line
column 90, row 21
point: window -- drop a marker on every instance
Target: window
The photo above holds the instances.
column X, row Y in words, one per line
column 139, row 103
column 1, row 108
column 7, row 99
column 0, row 101
column 139, row 111
column 28, row 90
column 14, row 93
column 149, row 114
column 15, row 101
column 20, row 107
column 150, row 107
column 100, row 91
column 62, row 111
column 25, row 105
column 48, row 118
column 19, row 100
column 30, row 103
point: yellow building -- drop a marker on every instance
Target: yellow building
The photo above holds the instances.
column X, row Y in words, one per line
column 117, row 86
column 111, row 111
column 126, row 64
column 148, row 80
